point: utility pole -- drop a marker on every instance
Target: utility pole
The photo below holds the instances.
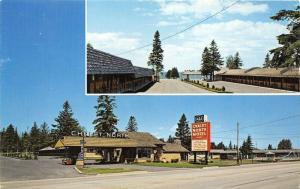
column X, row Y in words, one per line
column 237, row 143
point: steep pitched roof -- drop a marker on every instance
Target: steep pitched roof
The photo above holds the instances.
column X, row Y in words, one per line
column 143, row 72
column 173, row 147
column 135, row 139
column 99, row 62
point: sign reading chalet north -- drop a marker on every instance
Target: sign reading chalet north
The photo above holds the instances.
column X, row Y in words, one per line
column 99, row 134
column 201, row 136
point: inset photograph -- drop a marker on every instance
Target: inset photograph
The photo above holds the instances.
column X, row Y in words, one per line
column 181, row 47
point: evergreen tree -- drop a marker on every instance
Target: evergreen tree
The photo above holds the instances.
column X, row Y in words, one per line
column 44, row 135
column 230, row 145
column 206, row 62
column 237, row 61
column 34, row 140
column 9, row 138
column 249, row 146
column 221, row 146
column 183, row 132
column 17, row 141
column 284, row 144
column 2, row 140
column 25, row 141
column 170, row 139
column 216, row 59
column 267, row 61
column 132, row 125
column 174, row 73
column 230, row 62
column 65, row 123
column 168, row 74
column 156, row 56
column 213, row 145
column 106, row 120
column 270, row 147
column 288, row 54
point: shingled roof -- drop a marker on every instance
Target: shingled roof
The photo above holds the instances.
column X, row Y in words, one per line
column 99, row 62
column 173, row 147
column 143, row 72
column 265, row 72
column 135, row 139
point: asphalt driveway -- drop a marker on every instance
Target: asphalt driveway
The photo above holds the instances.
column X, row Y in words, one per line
column 44, row 168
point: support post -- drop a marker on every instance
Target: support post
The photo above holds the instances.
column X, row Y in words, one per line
column 237, row 144
column 195, row 157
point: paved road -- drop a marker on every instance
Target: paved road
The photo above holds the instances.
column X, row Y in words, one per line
column 243, row 88
column 263, row 176
column 46, row 167
column 169, row 86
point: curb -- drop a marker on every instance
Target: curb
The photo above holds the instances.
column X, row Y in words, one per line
column 77, row 170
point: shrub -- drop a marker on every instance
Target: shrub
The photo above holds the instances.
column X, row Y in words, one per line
column 223, row 88
column 207, row 85
column 213, row 87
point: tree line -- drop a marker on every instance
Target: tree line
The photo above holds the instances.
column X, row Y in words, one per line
column 42, row 136
column 172, row 73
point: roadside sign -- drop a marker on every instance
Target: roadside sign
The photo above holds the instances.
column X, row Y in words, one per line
column 200, row 118
column 201, row 136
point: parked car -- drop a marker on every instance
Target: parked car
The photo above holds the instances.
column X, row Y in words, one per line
column 69, row 161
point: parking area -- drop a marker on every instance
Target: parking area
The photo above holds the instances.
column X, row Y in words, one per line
column 44, row 168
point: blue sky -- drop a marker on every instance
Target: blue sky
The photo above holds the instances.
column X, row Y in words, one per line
column 117, row 26
column 42, row 65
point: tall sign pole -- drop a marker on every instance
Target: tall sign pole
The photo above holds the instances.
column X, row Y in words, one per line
column 237, row 144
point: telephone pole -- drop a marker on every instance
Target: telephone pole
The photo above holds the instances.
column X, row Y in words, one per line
column 237, row 144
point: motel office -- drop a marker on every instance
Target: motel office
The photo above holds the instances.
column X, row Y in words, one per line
column 126, row 147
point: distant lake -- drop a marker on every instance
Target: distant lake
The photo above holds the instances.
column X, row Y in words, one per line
column 192, row 77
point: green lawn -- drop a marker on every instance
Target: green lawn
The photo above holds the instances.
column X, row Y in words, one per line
column 94, row 171
column 216, row 162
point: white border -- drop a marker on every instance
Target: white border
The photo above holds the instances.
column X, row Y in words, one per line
column 292, row 93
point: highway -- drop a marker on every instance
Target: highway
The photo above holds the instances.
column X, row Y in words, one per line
column 264, row 176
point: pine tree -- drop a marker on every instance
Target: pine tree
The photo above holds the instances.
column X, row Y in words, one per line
column 168, row 74
column 44, row 135
column 25, row 141
column 2, row 140
column 17, row 140
column 183, row 132
column 267, row 61
column 230, row 145
column 106, row 120
column 216, row 59
column 65, row 123
column 230, row 62
column 206, row 62
column 10, row 139
column 174, row 73
column 249, row 146
column 170, row 139
column 132, row 125
column 221, row 146
column 237, row 61
column 34, row 140
column 288, row 54
column 270, row 147
column 156, row 56
column 284, row 144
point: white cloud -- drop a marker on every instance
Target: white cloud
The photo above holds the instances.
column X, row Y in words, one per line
column 248, row 8
column 201, row 8
column 112, row 41
column 252, row 39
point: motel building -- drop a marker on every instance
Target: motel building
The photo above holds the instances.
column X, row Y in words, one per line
column 122, row 147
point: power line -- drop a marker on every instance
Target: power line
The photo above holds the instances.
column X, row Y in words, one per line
column 184, row 30
column 262, row 124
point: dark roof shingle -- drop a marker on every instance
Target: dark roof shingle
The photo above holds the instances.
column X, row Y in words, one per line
column 99, row 62
column 143, row 72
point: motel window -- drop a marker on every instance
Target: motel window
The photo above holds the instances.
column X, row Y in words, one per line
column 144, row 152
